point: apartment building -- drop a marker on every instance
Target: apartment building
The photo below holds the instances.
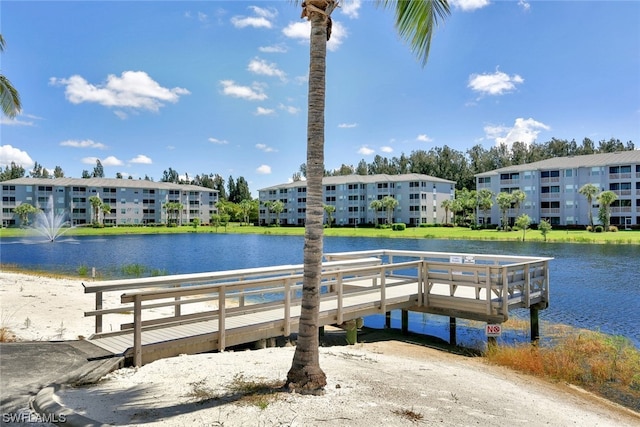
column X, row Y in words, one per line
column 419, row 199
column 131, row 201
column 552, row 186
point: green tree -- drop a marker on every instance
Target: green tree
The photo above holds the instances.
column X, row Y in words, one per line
column 9, row 96
column 172, row 210
column 517, row 198
column 12, row 171
column 485, row 201
column 376, row 205
column 98, row 171
column 329, row 210
column 544, row 228
column 415, row 21
column 605, row 199
column 389, row 204
column 245, row 209
column 106, row 210
column 58, row 172
column 589, row 191
column 23, row 211
column 446, row 205
column 277, row 208
column 96, row 203
column 523, row 222
column 504, row 201
column 267, row 209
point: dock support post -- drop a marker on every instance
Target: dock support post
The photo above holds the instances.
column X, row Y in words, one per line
column 453, row 340
column 387, row 320
column 405, row 322
column 535, row 325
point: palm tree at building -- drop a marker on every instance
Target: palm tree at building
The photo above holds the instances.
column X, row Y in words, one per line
column 9, row 96
column 485, row 201
column 589, row 191
column 329, row 210
column 504, row 201
column 606, row 198
column 277, row 208
column 389, row 204
column 96, row 203
column 446, row 205
column 376, row 205
column 415, row 21
column 106, row 210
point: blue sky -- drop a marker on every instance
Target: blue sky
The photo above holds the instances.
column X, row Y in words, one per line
column 221, row 87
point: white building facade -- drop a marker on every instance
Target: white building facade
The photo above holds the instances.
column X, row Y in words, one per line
column 132, row 202
column 551, row 187
column 419, row 199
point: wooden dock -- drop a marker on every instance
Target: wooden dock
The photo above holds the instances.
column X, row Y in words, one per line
column 193, row 313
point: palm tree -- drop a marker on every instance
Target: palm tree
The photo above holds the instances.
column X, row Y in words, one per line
column 446, row 205
column 389, row 204
column 589, row 191
column 9, row 96
column 605, row 199
column 106, row 210
column 485, row 201
column 277, row 208
column 517, row 197
column 415, row 21
column 504, row 201
column 329, row 209
column 376, row 205
column 96, row 203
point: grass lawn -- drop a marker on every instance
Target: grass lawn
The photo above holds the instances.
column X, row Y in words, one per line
column 451, row 233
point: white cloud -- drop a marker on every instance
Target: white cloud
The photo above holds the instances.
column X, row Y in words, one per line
column 266, row 148
column 142, row 159
column 6, row 121
column 218, row 141
column 347, row 125
column 133, row 89
column 497, row 83
column 107, row 161
column 386, row 149
column 301, row 31
column 524, row 5
column 469, row 5
column 85, row 143
column 264, row 170
column 423, row 138
column 262, row 67
column 366, row 151
column 289, row 109
column 10, row 154
column 523, row 130
column 277, row 48
column 202, row 17
column 261, row 111
column 261, row 18
column 253, row 93
column 351, row 8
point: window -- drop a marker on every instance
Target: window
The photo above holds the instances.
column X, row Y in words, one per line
column 484, row 180
column 568, row 173
column 550, row 174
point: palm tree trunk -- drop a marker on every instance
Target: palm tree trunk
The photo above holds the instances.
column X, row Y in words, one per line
column 305, row 375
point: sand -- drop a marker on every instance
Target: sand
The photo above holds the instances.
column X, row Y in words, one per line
column 391, row 383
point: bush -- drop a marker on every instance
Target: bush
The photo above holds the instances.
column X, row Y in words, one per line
column 589, row 228
column 398, row 226
column 599, row 229
column 613, row 228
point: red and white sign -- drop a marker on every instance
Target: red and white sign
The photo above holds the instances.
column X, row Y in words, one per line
column 493, row 330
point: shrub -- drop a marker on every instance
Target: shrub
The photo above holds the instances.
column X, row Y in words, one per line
column 589, row 228
column 398, row 226
column 613, row 228
column 599, row 229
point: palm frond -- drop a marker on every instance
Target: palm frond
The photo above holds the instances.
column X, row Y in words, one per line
column 416, row 21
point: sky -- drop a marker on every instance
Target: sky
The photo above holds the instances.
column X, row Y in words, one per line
column 221, row 86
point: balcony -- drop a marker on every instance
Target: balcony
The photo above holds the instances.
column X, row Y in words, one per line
column 550, row 196
column 550, row 210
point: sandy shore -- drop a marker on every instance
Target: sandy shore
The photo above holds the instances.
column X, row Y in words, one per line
column 376, row 383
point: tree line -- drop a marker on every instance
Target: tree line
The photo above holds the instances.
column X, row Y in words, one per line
column 448, row 163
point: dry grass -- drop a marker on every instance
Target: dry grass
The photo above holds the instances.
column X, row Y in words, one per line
column 604, row 364
column 409, row 414
column 256, row 392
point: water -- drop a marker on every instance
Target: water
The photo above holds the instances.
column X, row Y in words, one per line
column 592, row 286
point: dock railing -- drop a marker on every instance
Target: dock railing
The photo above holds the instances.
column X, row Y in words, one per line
column 480, row 287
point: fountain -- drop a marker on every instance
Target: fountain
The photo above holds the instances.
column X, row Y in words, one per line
column 50, row 224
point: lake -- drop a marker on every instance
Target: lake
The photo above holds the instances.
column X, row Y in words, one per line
column 592, row 286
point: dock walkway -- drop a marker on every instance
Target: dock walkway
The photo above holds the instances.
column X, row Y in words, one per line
column 193, row 313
